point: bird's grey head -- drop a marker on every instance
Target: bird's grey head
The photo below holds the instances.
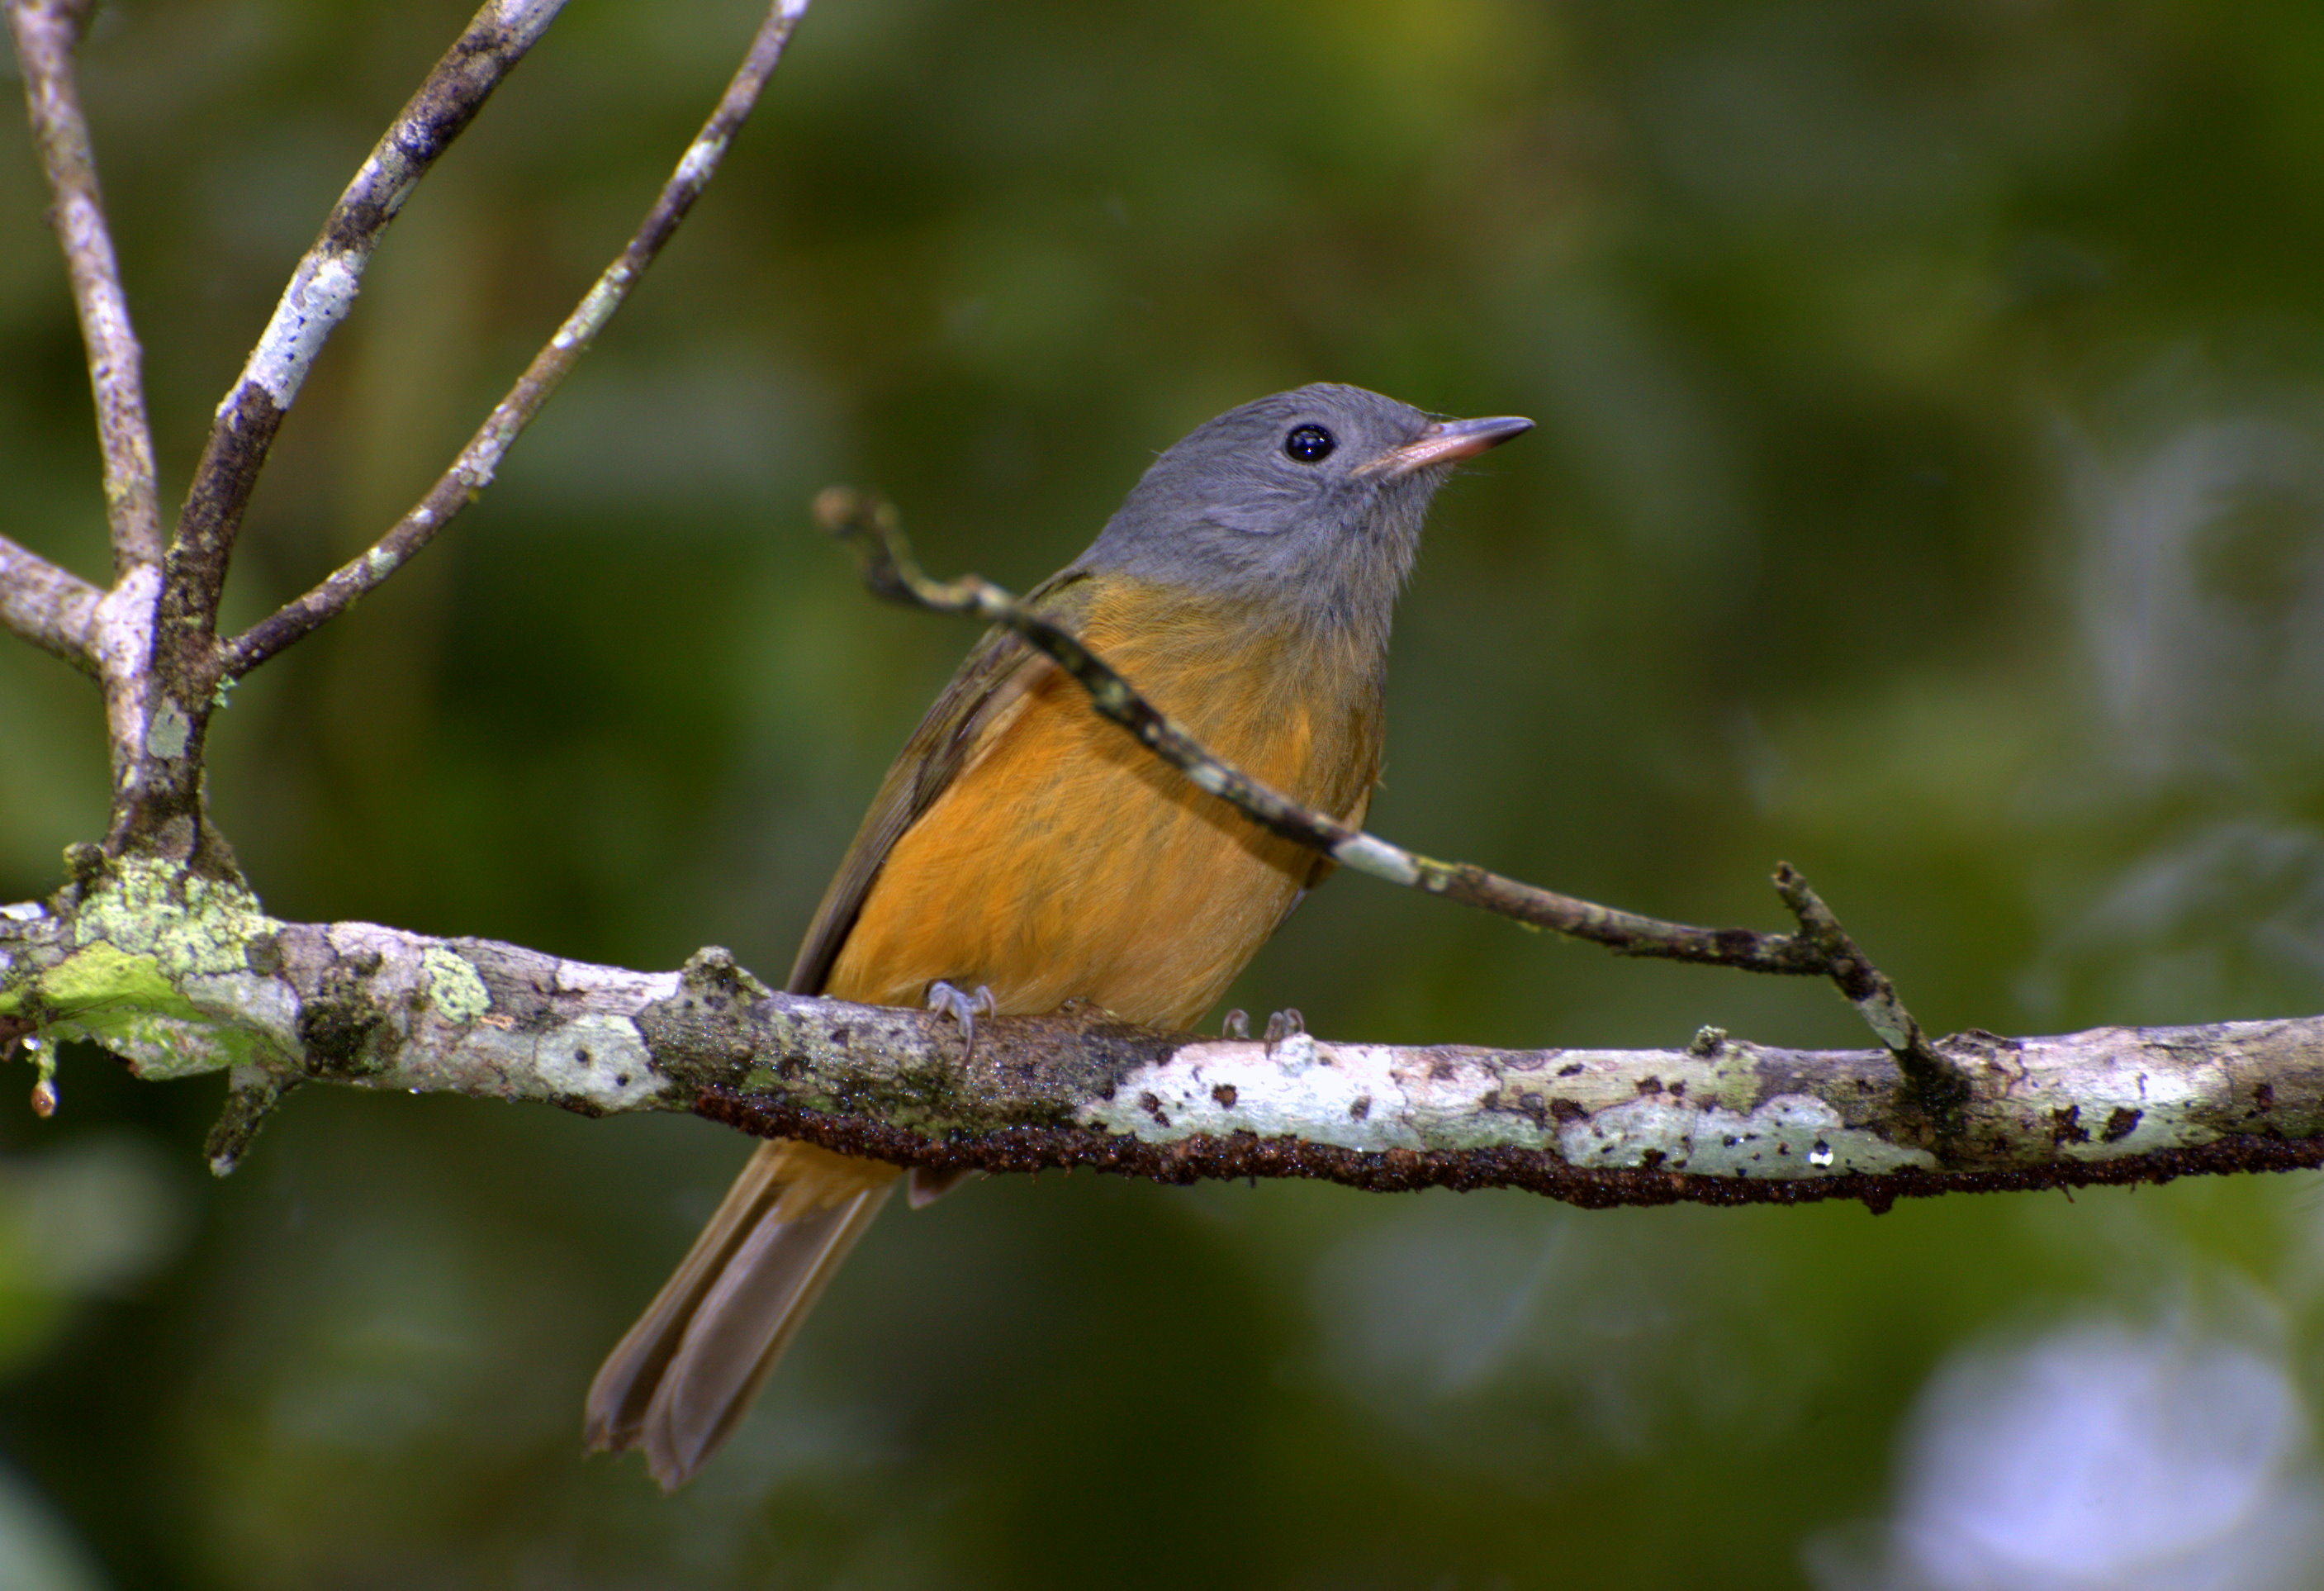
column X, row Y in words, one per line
column 1309, row 502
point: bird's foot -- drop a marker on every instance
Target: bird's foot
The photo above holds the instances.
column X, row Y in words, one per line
column 1235, row 1025
column 1282, row 1025
column 964, row 1009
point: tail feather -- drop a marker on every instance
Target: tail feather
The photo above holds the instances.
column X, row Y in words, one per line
column 685, row 1373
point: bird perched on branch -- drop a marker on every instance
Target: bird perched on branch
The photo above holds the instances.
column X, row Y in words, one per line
column 1023, row 851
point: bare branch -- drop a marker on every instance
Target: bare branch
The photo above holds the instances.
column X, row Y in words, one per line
column 50, row 607
column 1822, row 949
column 45, row 31
column 158, row 650
column 181, row 974
column 322, row 291
column 481, row 458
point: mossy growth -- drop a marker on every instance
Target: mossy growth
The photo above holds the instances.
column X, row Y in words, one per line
column 139, row 929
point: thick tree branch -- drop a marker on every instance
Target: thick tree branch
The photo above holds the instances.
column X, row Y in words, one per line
column 45, row 33
column 53, row 609
column 181, row 974
column 475, row 468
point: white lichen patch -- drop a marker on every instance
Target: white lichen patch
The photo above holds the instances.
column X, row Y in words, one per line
column 1350, row 1095
column 321, row 293
column 1591, row 1080
column 605, row 984
column 453, row 987
column 1374, row 1098
column 392, row 950
column 1790, row 1135
column 601, row 1060
column 2100, row 1095
column 167, row 736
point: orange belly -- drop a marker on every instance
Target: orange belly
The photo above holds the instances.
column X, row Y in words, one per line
column 1065, row 862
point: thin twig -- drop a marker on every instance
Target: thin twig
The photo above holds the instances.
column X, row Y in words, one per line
column 323, row 290
column 52, row 608
column 477, row 462
column 1821, row 950
column 45, row 31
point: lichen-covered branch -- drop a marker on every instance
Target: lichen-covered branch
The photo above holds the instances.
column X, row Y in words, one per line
column 50, row 607
column 181, row 974
column 477, row 462
column 45, row 33
column 158, row 952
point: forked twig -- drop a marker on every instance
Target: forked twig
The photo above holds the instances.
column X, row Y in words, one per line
column 475, row 468
column 322, row 291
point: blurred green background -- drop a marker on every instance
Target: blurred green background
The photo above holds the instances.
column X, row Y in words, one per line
column 1930, row 490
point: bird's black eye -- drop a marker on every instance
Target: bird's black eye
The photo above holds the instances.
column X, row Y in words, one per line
column 1309, row 444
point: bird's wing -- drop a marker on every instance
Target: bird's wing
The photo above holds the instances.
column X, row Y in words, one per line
column 994, row 677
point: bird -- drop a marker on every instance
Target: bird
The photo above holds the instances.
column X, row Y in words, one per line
column 1023, row 853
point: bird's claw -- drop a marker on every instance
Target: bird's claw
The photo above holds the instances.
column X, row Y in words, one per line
column 1283, row 1024
column 1235, row 1025
column 964, row 1009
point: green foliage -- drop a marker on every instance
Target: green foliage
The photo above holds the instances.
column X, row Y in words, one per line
column 1928, row 492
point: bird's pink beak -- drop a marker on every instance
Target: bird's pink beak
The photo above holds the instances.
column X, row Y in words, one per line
column 1447, row 441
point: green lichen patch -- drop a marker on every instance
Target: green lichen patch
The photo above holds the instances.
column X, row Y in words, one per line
column 160, row 1046
column 186, row 923
column 102, row 976
column 144, row 933
column 453, row 986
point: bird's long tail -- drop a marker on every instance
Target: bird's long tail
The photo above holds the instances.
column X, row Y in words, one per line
column 685, row 1373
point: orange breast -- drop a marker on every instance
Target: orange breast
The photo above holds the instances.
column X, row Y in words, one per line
column 1065, row 862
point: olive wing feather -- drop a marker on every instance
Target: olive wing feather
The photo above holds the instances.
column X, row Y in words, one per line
column 997, row 674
